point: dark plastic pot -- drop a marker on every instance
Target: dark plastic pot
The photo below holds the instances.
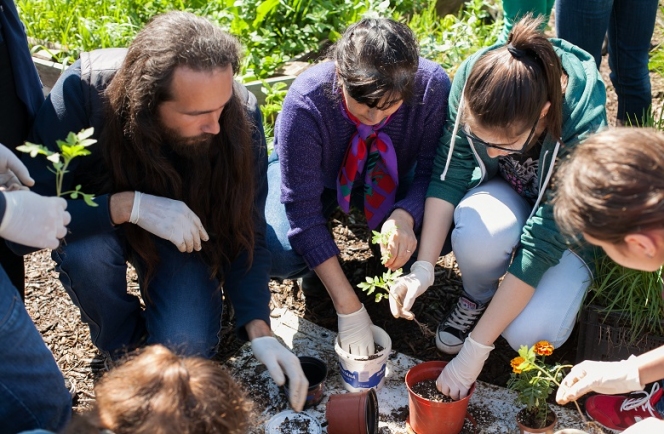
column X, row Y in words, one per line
column 524, row 429
column 352, row 413
column 429, row 417
column 316, row 372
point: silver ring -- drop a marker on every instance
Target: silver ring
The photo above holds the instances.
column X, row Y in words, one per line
column 408, row 251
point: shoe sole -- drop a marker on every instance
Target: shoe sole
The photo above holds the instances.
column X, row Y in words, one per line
column 444, row 348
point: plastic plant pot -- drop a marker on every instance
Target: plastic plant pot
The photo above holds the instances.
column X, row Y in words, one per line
column 352, row 413
column 316, row 372
column 365, row 372
column 524, row 429
column 429, row 417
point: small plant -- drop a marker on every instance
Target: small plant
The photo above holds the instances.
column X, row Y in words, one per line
column 534, row 380
column 74, row 146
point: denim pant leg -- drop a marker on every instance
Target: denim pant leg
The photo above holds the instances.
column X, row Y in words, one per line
column 488, row 223
column 552, row 311
column 630, row 31
column 93, row 271
column 183, row 304
column 32, row 389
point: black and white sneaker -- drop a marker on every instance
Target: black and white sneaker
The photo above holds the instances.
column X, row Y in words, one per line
column 458, row 324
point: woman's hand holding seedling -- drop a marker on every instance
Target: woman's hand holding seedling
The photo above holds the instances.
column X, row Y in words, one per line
column 406, row 289
column 609, row 378
column 397, row 239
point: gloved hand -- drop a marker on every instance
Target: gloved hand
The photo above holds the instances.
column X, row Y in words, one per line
column 460, row 374
column 355, row 334
column 13, row 173
column 34, row 220
column 278, row 359
column 609, row 378
column 169, row 219
column 406, row 289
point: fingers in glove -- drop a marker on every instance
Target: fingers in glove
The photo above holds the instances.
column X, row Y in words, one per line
column 298, row 385
column 15, row 165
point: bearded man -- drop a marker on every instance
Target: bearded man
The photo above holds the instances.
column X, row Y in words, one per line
column 179, row 174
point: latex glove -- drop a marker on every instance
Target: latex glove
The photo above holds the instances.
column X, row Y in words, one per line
column 169, row 219
column 609, row 378
column 406, row 289
column 13, row 173
column 646, row 426
column 355, row 335
column 278, row 359
column 460, row 374
column 34, row 220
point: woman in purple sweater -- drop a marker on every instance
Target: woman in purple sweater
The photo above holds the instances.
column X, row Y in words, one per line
column 360, row 130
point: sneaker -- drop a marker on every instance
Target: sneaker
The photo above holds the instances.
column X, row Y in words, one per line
column 100, row 364
column 312, row 286
column 616, row 413
column 457, row 325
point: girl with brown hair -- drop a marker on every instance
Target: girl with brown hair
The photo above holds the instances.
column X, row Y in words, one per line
column 513, row 110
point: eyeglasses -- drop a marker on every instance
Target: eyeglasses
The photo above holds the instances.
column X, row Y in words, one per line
column 505, row 148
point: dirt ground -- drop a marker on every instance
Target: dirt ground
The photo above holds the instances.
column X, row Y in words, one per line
column 59, row 320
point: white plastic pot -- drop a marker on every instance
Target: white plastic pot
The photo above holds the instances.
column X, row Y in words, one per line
column 365, row 372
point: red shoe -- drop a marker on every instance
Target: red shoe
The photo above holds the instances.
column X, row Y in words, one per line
column 616, row 413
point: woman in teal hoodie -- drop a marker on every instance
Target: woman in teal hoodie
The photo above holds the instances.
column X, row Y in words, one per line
column 514, row 110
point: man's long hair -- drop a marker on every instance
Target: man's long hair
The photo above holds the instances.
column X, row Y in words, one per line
column 219, row 186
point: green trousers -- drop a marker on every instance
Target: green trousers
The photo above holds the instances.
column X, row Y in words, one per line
column 513, row 10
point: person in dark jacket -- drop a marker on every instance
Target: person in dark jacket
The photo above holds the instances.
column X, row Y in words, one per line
column 179, row 174
column 20, row 98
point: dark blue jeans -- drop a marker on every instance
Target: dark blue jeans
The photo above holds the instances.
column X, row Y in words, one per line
column 286, row 263
column 630, row 25
column 32, row 389
column 184, row 307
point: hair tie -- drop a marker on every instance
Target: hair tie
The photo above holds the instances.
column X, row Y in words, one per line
column 516, row 52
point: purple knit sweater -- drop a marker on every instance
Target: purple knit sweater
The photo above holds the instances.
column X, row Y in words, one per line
column 311, row 138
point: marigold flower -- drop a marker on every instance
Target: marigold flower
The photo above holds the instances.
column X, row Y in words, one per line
column 544, row 348
column 515, row 363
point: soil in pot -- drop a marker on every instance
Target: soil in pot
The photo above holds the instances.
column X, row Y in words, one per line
column 427, row 389
column 529, row 423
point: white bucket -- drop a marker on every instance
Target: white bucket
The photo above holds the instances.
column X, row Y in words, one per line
column 365, row 372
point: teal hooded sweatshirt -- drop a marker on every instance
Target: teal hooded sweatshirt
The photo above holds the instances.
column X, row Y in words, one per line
column 459, row 166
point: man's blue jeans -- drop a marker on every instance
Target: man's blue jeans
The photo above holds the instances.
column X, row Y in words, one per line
column 183, row 307
column 630, row 25
column 32, row 390
column 286, row 263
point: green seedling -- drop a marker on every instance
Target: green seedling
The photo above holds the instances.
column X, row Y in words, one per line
column 74, row 146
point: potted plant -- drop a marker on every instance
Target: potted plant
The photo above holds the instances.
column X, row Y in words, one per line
column 534, row 380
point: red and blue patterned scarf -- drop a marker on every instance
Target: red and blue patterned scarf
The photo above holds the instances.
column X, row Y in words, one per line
column 381, row 178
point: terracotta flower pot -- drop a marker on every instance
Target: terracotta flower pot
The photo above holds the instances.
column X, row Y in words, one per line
column 523, row 429
column 316, row 372
column 352, row 413
column 429, row 417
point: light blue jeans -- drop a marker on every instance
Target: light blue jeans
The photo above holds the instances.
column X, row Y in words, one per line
column 488, row 224
column 184, row 307
column 630, row 25
column 32, row 390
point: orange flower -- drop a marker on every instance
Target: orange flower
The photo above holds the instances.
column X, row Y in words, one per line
column 543, row 348
column 515, row 363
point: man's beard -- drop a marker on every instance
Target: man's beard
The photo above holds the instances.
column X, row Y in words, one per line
column 187, row 147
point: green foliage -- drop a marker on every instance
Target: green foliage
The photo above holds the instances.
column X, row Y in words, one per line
column 637, row 295
column 274, row 98
column 383, row 239
column 380, row 282
column 73, row 146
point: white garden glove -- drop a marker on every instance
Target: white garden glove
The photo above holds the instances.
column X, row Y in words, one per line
column 13, row 173
column 169, row 219
column 648, row 425
column 33, row 220
column 406, row 289
column 355, row 335
column 460, row 374
column 278, row 359
column 609, row 378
